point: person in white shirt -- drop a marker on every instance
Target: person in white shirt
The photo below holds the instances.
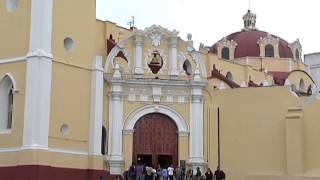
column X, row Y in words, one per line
column 170, row 172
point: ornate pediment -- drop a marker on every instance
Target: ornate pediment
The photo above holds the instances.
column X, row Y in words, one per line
column 157, row 33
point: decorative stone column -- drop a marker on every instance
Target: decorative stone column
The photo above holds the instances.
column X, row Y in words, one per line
column 196, row 125
column 174, row 54
column 115, row 157
column 38, row 77
column 96, row 107
column 139, row 47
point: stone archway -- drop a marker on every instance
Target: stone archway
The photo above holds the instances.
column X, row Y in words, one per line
column 155, row 140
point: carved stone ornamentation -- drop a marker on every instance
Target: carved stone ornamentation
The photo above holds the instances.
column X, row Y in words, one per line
column 224, row 42
column 155, row 39
column 269, row 40
column 296, row 49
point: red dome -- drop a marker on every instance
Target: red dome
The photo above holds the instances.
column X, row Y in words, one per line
column 248, row 46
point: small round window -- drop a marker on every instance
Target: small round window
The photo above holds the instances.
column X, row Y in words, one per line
column 12, row 5
column 64, row 129
column 68, row 44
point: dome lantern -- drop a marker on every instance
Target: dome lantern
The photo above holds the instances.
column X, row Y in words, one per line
column 249, row 20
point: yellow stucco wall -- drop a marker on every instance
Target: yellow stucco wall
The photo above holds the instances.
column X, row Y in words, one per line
column 15, row 30
column 252, row 130
column 100, row 39
column 18, row 72
column 78, row 25
column 70, row 104
column 311, row 123
column 240, row 72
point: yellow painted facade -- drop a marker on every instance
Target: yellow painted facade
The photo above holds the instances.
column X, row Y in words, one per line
column 104, row 80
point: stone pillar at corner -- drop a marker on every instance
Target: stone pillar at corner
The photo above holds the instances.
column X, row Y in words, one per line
column 39, row 77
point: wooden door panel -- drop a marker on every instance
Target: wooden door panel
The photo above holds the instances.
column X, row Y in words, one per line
column 155, row 134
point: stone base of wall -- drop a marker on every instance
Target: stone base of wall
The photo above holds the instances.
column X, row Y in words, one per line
column 38, row 172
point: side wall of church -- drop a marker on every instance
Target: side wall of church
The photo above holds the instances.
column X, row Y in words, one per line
column 14, row 30
column 13, row 140
column 311, row 123
column 252, row 130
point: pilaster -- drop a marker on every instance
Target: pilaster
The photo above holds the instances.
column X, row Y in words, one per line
column 115, row 156
column 138, row 52
column 38, row 77
column 96, row 107
column 173, row 55
column 294, row 141
column 196, row 130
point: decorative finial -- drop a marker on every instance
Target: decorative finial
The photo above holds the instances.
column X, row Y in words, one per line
column 189, row 36
column 249, row 20
column 117, row 74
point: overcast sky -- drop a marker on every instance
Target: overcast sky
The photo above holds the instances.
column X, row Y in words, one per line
column 209, row 20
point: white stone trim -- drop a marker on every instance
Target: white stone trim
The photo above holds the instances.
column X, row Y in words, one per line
column 196, row 127
column 269, row 39
column 128, row 131
column 296, row 46
column 138, row 70
column 181, row 99
column 173, row 56
column 224, row 42
column 12, row 60
column 6, row 131
column 132, row 97
column 14, row 83
column 39, row 77
column 132, row 119
column 199, row 62
column 11, row 149
column 170, row 99
column 57, row 150
column 115, row 157
column 112, row 55
column 41, row 25
column 96, row 107
column 65, row 151
column 38, row 102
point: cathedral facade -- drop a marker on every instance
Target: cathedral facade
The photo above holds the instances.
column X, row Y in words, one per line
column 82, row 98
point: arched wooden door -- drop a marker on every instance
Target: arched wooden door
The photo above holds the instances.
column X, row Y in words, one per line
column 155, row 140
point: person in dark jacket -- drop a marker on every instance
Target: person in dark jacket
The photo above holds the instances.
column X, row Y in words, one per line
column 209, row 175
column 219, row 174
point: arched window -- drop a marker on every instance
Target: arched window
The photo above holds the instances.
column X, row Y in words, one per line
column 301, row 86
column 297, row 53
column 103, row 140
column 187, row 67
column 225, row 54
column 229, row 76
column 6, row 103
column 269, row 50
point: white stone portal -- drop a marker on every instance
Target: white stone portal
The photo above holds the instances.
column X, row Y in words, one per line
column 175, row 116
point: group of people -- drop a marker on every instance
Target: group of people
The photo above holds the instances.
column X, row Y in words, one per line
column 144, row 172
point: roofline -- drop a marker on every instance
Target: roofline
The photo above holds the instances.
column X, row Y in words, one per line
column 314, row 53
column 105, row 21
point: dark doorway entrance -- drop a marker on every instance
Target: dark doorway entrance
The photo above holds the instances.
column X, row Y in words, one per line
column 164, row 160
column 144, row 159
column 156, row 136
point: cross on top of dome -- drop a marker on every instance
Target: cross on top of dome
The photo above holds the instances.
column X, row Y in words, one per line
column 249, row 20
